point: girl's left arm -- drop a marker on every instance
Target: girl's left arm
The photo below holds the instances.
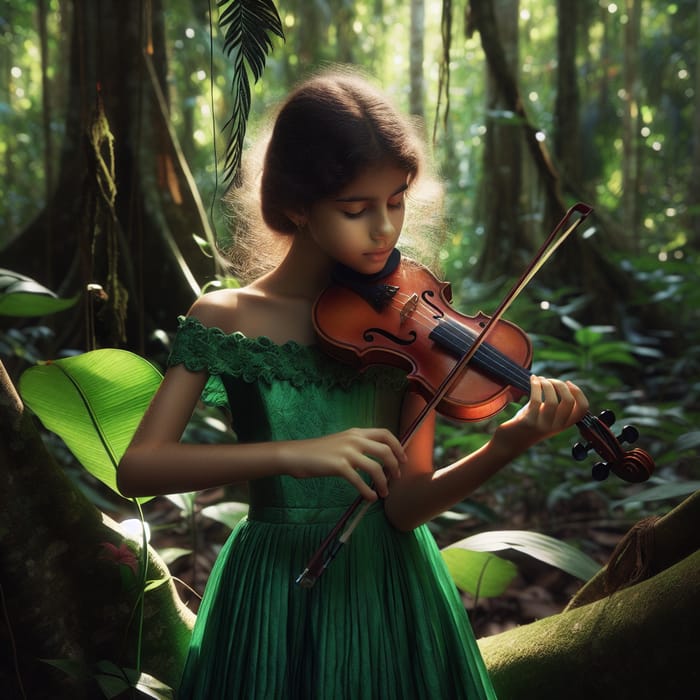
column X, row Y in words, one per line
column 423, row 492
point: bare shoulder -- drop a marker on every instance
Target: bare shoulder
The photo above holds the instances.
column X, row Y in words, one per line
column 254, row 312
column 217, row 308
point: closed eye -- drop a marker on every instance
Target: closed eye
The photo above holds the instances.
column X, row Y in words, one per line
column 354, row 214
column 397, row 201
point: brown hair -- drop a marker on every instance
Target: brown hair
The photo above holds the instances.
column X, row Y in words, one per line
column 330, row 128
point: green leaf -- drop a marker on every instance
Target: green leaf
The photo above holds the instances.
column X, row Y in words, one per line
column 676, row 489
column 170, row 554
column 616, row 352
column 111, row 686
column 248, row 27
column 478, row 573
column 22, row 296
column 154, row 688
column 228, row 513
column 203, row 244
column 542, row 547
column 152, row 584
column 77, row 670
column 688, row 441
column 587, row 337
column 94, row 402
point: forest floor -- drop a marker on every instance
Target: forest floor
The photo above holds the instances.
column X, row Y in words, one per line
column 538, row 591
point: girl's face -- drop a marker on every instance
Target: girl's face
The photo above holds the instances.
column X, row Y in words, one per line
column 360, row 226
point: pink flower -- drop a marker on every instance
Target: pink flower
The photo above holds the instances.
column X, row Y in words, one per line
column 121, row 555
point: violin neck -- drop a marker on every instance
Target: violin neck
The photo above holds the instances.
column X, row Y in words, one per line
column 458, row 339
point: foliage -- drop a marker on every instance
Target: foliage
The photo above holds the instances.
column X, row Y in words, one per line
column 113, row 681
column 21, row 296
column 94, row 401
column 247, row 26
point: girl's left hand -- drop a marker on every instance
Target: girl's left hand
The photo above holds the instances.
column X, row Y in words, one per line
column 554, row 406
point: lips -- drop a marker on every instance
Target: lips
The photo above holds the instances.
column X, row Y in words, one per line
column 377, row 255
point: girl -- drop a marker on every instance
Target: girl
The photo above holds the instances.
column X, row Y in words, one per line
column 385, row 620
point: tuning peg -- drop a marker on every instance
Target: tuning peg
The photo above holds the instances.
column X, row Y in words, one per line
column 580, row 451
column 600, row 471
column 607, row 416
column 629, row 434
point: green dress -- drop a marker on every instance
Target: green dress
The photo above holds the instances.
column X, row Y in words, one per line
column 385, row 619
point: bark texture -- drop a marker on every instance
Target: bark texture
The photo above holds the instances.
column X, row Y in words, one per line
column 638, row 642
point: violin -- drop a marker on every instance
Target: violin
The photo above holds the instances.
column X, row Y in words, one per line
column 404, row 318
column 468, row 368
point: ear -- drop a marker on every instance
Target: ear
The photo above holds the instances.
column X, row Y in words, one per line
column 298, row 218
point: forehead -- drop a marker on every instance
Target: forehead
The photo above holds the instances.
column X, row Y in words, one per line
column 377, row 181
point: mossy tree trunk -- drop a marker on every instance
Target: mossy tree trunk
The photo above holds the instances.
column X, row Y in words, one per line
column 616, row 640
column 65, row 594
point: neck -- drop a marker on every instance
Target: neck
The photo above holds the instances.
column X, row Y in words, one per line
column 303, row 273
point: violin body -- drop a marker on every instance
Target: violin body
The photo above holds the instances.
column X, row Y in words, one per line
column 418, row 330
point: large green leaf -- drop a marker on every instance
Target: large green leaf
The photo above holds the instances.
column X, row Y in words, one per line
column 543, row 547
column 478, row 573
column 94, row 402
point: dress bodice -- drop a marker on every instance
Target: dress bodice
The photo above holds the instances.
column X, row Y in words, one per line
column 288, row 392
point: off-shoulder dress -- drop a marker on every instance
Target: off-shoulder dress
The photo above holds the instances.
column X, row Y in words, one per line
column 385, row 620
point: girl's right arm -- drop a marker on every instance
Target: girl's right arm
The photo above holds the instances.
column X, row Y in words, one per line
column 156, row 462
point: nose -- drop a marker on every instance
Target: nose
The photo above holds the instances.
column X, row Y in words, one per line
column 383, row 225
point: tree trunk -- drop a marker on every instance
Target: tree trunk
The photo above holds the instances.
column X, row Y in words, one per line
column 499, row 199
column 416, row 57
column 638, row 642
column 582, row 265
column 567, row 136
column 631, row 120
column 123, row 213
column 693, row 196
column 62, row 597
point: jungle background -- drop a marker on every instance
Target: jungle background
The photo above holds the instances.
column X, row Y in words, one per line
column 114, row 126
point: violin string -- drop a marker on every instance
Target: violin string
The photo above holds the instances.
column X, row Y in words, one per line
column 576, row 214
column 497, row 361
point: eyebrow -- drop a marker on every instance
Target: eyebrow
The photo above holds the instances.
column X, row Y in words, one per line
column 362, row 198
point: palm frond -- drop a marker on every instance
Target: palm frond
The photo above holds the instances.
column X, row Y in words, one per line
column 248, row 27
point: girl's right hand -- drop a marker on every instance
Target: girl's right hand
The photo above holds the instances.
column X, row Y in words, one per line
column 375, row 451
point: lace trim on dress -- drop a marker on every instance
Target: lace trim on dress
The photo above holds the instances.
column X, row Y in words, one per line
column 203, row 348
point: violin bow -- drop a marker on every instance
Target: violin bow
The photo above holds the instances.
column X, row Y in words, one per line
column 341, row 532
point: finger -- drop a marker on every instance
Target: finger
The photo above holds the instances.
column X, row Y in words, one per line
column 553, row 390
column 364, row 489
column 555, row 404
column 386, row 449
column 388, row 460
column 376, row 473
column 390, row 440
column 536, row 395
column 580, row 398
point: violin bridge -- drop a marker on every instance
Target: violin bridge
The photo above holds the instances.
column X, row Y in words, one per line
column 408, row 308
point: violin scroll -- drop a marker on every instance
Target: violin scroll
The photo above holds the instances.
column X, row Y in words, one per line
column 633, row 465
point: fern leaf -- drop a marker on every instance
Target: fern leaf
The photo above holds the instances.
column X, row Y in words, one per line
column 248, row 27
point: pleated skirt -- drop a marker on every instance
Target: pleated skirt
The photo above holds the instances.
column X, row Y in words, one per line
column 384, row 621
